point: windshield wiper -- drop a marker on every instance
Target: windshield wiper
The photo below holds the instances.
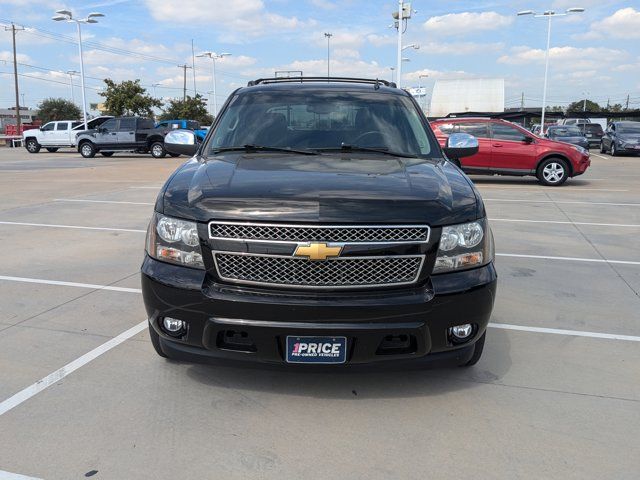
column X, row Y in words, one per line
column 262, row 148
column 355, row 148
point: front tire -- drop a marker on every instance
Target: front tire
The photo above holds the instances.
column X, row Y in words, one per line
column 32, row 145
column 614, row 150
column 478, row 347
column 87, row 150
column 52, row 149
column 553, row 172
column 157, row 150
column 155, row 341
column 602, row 148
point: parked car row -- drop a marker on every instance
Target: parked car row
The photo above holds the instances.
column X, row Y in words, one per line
column 107, row 135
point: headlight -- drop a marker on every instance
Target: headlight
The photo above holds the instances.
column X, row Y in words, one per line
column 463, row 246
column 174, row 241
column 580, row 149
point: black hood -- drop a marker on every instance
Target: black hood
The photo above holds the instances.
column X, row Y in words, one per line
column 347, row 188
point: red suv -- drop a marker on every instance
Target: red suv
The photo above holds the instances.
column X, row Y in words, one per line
column 508, row 149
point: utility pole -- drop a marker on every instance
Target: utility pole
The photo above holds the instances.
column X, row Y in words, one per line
column 626, row 107
column 193, row 66
column 13, row 29
column 328, row 35
column 184, row 87
column 522, row 101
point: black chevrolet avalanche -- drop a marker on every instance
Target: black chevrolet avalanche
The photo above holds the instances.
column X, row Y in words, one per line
column 319, row 223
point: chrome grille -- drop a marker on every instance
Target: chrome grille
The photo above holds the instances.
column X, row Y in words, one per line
column 323, row 233
column 343, row 272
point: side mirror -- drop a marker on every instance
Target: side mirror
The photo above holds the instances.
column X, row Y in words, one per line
column 460, row 145
column 182, row 142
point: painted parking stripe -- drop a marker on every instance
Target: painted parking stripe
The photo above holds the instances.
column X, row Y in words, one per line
column 70, row 284
column 560, row 201
column 568, row 259
column 48, row 225
column 81, row 200
column 517, row 220
column 15, row 476
column 572, row 333
column 69, row 368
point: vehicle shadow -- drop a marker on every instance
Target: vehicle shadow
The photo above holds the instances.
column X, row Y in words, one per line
column 525, row 182
column 371, row 382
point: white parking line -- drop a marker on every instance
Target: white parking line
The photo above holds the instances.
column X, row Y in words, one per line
column 560, row 201
column 160, row 186
column 568, row 259
column 69, row 284
column 564, row 222
column 600, row 156
column 543, row 189
column 80, row 200
column 72, row 226
column 15, row 476
column 71, row 367
column 573, row 333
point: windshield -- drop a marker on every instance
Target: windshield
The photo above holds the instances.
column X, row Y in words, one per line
column 592, row 127
column 565, row 132
column 316, row 120
column 629, row 128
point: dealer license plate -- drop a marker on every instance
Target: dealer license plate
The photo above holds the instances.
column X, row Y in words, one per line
column 316, row 349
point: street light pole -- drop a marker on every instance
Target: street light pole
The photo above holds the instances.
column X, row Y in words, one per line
column 328, row 35
column 214, row 56
column 67, row 16
column 400, row 26
column 584, row 103
column 424, row 108
column 549, row 14
column 71, row 73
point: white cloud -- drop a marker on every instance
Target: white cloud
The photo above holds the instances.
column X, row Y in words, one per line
column 434, row 74
column 566, row 58
column 324, row 4
column 466, row 22
column 624, row 23
column 460, row 48
column 250, row 17
column 381, row 40
column 7, row 56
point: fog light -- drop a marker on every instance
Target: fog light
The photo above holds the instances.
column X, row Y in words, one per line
column 462, row 332
column 173, row 326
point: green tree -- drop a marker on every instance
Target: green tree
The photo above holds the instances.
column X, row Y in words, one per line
column 616, row 107
column 128, row 98
column 57, row 109
column 192, row 108
column 578, row 106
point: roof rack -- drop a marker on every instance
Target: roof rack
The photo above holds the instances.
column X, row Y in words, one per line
column 373, row 81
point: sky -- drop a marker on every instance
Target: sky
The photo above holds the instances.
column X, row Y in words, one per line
column 595, row 53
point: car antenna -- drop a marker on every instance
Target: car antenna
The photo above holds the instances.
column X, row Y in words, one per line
column 376, row 86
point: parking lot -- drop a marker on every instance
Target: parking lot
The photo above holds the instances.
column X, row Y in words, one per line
column 83, row 394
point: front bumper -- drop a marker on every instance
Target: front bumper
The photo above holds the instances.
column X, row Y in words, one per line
column 581, row 165
column 260, row 320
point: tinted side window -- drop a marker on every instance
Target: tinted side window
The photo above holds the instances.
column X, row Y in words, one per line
column 127, row 124
column 62, row 126
column 76, row 124
column 506, row 132
column 144, row 124
column 477, row 129
column 109, row 124
column 48, row 127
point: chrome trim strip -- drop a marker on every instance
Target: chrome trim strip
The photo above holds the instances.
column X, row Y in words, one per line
column 316, row 287
column 295, row 225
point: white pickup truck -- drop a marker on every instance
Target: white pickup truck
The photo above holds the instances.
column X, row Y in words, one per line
column 57, row 134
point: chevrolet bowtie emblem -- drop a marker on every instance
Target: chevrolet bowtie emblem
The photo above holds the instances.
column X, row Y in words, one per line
column 317, row 251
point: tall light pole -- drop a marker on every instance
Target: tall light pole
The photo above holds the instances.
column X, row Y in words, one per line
column 214, row 56
column 401, row 18
column 67, row 16
column 328, row 35
column 393, row 69
column 154, row 85
column 549, row 14
column 584, row 103
column 71, row 73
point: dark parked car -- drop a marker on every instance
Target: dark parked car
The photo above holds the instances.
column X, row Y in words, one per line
column 621, row 137
column 319, row 223
column 122, row 134
column 593, row 132
column 508, row 149
column 569, row 134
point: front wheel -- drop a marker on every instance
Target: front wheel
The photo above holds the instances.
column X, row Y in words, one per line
column 478, row 347
column 602, row 148
column 32, row 145
column 87, row 150
column 52, row 149
column 157, row 150
column 614, row 150
column 553, row 172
